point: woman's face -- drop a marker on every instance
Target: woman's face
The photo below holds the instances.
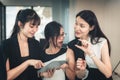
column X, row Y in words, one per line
column 60, row 38
column 29, row 29
column 81, row 28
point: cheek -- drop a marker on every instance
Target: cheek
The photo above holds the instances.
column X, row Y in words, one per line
column 24, row 31
column 76, row 27
column 36, row 29
column 85, row 32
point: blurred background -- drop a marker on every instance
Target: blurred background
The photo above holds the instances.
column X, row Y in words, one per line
column 64, row 11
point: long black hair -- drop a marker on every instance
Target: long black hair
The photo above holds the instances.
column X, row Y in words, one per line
column 90, row 17
column 52, row 30
column 24, row 16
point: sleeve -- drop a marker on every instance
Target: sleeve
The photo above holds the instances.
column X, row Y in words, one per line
column 78, row 52
column 3, row 73
column 86, row 74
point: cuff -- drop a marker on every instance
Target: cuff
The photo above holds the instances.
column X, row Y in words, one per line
column 86, row 74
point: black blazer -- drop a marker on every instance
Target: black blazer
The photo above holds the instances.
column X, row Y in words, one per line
column 12, row 51
column 3, row 73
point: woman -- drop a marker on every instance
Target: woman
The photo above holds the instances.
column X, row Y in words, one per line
column 54, row 35
column 95, row 45
column 21, row 49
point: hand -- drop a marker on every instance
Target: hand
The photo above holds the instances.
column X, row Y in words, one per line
column 86, row 47
column 64, row 66
column 47, row 74
column 80, row 68
column 80, row 64
column 35, row 63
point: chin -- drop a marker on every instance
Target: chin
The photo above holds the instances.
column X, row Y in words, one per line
column 77, row 36
column 30, row 36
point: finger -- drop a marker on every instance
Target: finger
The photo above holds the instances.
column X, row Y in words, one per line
column 79, row 59
column 80, row 47
column 42, row 64
column 80, row 39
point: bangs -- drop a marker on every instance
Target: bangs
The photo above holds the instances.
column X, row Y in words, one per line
column 35, row 22
column 34, row 18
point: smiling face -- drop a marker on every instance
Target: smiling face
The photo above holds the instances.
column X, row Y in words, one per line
column 28, row 30
column 82, row 28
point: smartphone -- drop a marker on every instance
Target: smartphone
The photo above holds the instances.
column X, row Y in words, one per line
column 79, row 43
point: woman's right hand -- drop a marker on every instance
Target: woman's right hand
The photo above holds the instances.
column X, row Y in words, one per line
column 80, row 68
column 35, row 63
column 81, row 64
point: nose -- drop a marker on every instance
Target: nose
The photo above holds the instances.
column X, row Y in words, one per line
column 61, row 37
column 35, row 29
column 77, row 28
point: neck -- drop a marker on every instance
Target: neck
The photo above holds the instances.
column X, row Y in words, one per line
column 52, row 49
column 22, row 37
column 85, row 38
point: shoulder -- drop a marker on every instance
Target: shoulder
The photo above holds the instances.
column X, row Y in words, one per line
column 70, row 55
column 101, row 42
column 69, row 52
column 33, row 41
column 102, row 39
column 8, row 41
column 72, row 43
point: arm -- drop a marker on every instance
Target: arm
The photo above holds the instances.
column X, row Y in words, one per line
column 81, row 71
column 104, row 65
column 70, row 71
column 15, row 72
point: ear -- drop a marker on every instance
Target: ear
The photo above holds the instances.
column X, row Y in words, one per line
column 20, row 24
column 91, row 28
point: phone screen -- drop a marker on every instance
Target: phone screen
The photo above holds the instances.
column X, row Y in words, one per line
column 79, row 43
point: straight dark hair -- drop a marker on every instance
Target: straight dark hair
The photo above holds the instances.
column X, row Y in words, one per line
column 90, row 17
column 52, row 30
column 25, row 16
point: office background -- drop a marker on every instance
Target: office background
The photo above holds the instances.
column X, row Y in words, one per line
column 64, row 11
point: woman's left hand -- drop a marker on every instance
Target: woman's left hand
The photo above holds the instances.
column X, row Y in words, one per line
column 86, row 47
column 64, row 66
column 48, row 74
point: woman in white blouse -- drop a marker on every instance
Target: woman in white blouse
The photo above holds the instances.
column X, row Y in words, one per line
column 95, row 45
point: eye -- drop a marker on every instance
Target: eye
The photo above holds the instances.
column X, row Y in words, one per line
column 82, row 26
column 76, row 23
column 31, row 26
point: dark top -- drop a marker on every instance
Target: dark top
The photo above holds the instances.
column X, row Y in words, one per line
column 12, row 51
column 95, row 74
column 47, row 57
column 77, row 52
column 3, row 73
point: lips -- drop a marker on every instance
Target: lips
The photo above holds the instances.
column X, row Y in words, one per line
column 32, row 34
column 77, row 33
column 61, row 42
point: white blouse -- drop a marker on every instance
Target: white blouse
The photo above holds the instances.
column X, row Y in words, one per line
column 97, row 51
